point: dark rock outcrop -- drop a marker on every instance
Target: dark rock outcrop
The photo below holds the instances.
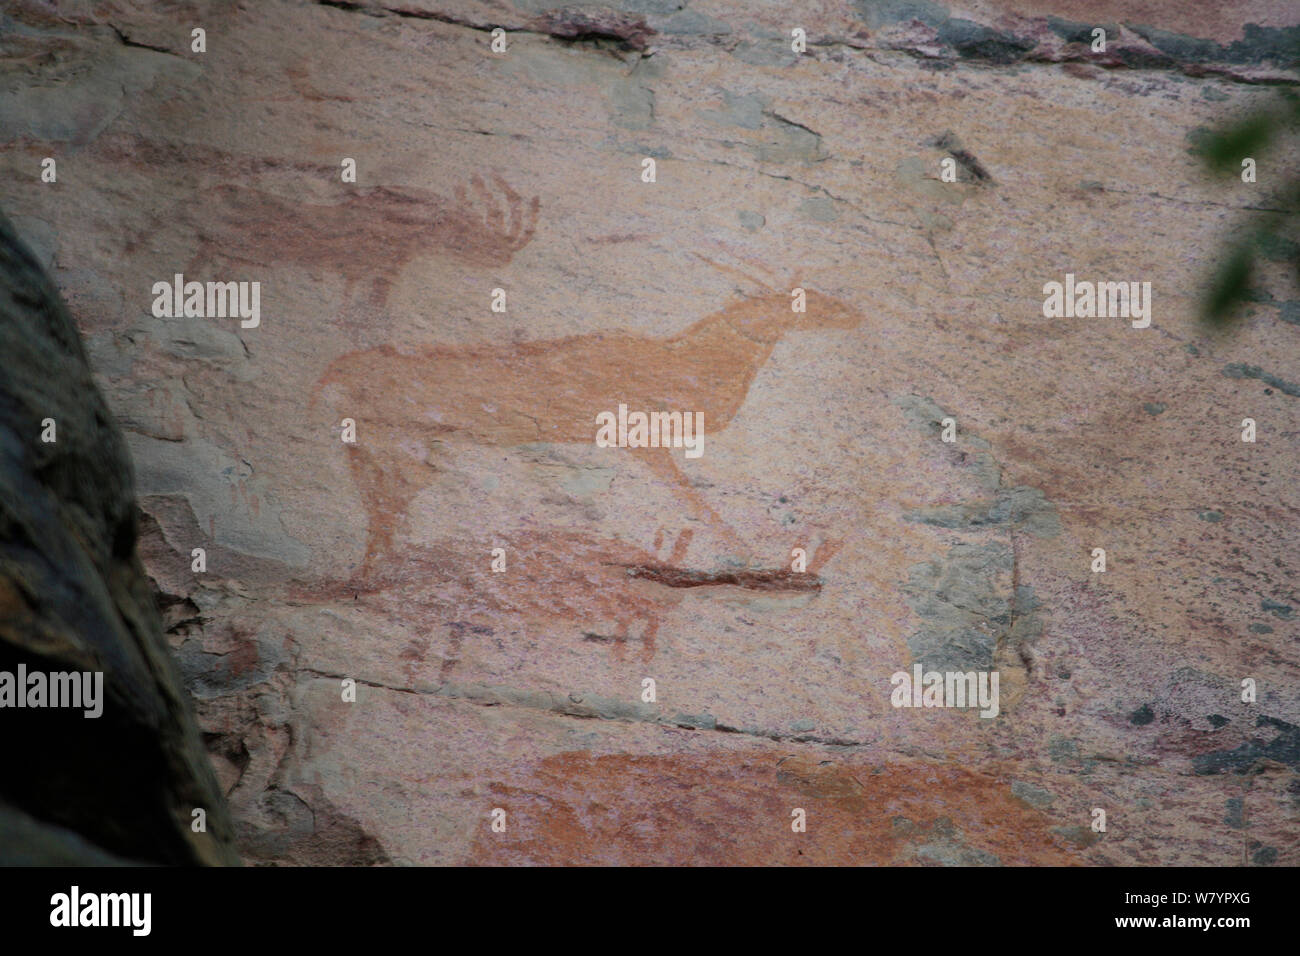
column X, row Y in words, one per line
column 73, row 597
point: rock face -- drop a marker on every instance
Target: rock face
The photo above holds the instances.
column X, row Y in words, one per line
column 500, row 587
column 79, row 786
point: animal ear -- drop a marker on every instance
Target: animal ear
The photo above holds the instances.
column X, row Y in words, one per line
column 825, row 551
column 757, row 273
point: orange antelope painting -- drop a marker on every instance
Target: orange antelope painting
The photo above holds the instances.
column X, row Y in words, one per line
column 407, row 404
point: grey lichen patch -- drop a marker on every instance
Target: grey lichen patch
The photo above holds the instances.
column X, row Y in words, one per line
column 696, row 721
column 779, row 139
column 947, row 847
column 1197, row 139
column 631, row 105
column 745, row 111
column 1153, row 408
column 974, row 614
column 766, row 53
column 1026, row 622
column 974, row 41
column 1236, row 815
column 584, row 482
column 883, row 13
column 925, row 415
column 1284, row 748
column 921, row 178
column 819, row 209
column 1211, row 516
column 1257, row 45
column 661, row 8
column 965, row 602
column 1063, row 749
column 1277, row 248
column 1237, row 370
column 751, row 220
column 204, row 474
column 970, row 169
column 935, row 222
column 948, row 854
column 647, row 149
column 1263, row 855
column 1071, row 31
column 631, row 99
column 1290, row 312
column 791, row 144
column 692, row 23
column 1283, row 612
column 1036, row 797
column 981, row 43
column 1021, row 508
column 1082, row 837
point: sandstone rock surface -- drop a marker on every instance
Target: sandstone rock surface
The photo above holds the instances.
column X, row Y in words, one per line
column 522, row 171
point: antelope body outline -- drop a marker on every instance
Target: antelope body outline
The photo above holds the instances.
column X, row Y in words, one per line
column 407, row 402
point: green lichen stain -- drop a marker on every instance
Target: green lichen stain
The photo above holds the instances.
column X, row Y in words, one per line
column 1142, row 716
column 974, row 41
column 1283, row 748
column 1283, row 612
column 1082, row 837
column 1036, row 797
column 1264, row 855
column 883, row 13
column 819, row 209
column 1238, row 370
column 971, row 614
column 1236, row 816
column 1063, row 749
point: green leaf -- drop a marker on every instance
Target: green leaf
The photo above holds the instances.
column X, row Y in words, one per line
column 1224, row 149
column 1230, row 286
